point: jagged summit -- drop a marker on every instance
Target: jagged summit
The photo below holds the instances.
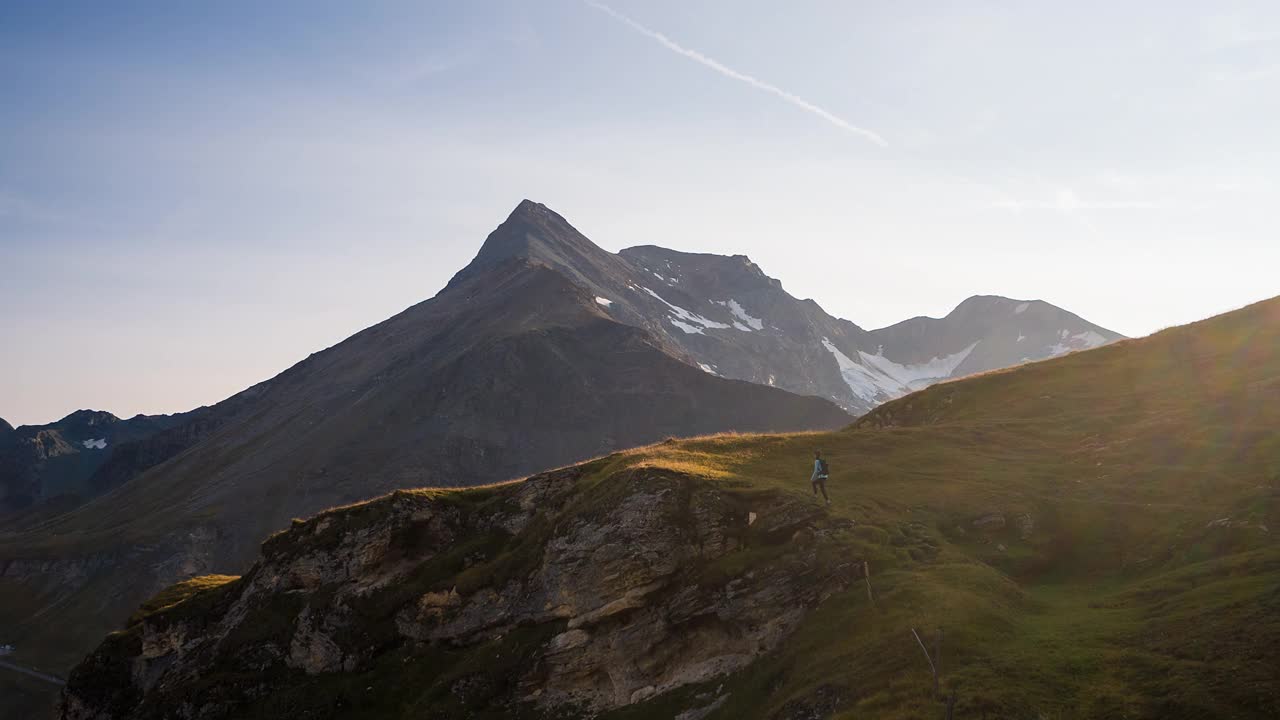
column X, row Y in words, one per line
column 723, row 314
column 535, row 232
column 5, row 427
column 736, row 270
column 90, row 417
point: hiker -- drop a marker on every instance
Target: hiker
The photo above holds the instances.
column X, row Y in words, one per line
column 820, row 474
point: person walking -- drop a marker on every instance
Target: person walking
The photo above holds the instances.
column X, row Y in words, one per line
column 821, row 471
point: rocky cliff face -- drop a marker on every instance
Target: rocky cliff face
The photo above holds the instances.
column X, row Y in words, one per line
column 568, row 594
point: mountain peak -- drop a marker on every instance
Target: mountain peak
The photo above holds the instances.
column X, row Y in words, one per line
column 535, row 232
column 987, row 301
column 90, row 417
column 5, row 427
column 528, row 206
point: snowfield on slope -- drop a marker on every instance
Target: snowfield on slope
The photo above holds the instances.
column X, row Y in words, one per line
column 685, row 320
column 751, row 323
column 879, row 378
column 1080, row 341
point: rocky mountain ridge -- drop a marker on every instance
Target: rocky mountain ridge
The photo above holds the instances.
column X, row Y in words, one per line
column 726, row 316
column 586, row 591
column 62, row 459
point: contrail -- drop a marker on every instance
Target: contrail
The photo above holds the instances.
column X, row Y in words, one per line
column 729, row 72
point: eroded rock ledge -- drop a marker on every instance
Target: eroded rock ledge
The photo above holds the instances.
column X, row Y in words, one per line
column 567, row 594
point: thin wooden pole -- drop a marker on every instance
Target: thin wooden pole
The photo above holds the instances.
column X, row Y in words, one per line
column 932, row 668
column 866, row 575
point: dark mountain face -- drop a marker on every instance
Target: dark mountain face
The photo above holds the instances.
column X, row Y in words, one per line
column 60, row 460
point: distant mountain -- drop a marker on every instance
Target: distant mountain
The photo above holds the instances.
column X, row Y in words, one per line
column 724, row 315
column 41, row 462
column 543, row 351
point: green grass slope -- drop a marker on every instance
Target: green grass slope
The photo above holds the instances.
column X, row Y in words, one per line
column 1093, row 535
column 1133, row 570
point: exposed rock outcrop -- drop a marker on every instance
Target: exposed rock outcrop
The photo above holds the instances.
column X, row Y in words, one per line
column 563, row 594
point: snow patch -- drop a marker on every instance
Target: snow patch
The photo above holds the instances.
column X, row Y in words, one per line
column 690, row 319
column 690, row 329
column 1080, row 341
column 1021, row 308
column 95, row 444
column 919, row 375
column 1091, row 339
column 877, row 377
column 709, row 369
column 861, row 381
column 752, row 323
column 604, row 301
column 1021, row 338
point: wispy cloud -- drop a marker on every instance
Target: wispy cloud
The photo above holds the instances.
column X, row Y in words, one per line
column 729, row 72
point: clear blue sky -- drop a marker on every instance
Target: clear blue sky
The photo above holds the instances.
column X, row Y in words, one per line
column 193, row 196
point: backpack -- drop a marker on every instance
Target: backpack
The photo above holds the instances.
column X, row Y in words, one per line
column 822, row 467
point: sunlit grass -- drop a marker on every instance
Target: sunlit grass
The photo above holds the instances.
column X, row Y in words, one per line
column 180, row 592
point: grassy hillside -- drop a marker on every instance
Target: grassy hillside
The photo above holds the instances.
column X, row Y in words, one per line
column 1133, row 570
column 1093, row 535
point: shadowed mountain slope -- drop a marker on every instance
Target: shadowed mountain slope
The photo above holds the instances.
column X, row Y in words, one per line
column 61, row 461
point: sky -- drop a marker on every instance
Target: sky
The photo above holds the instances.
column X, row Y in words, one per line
column 195, row 196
